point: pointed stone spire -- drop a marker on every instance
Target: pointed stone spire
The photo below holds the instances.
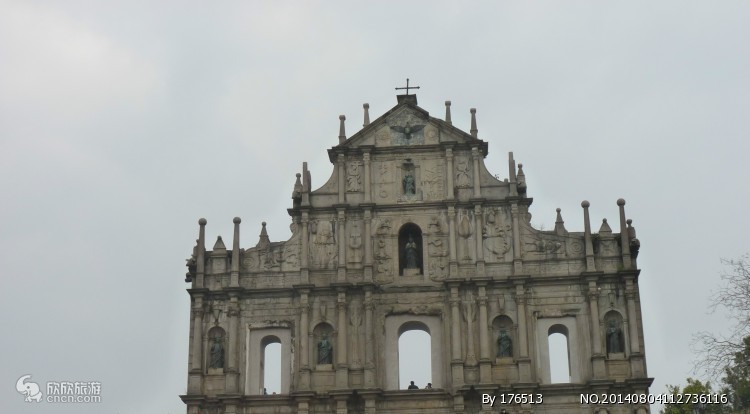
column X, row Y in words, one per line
column 605, row 230
column 473, row 129
column 219, row 245
column 560, row 224
column 366, row 106
column 521, row 178
column 264, row 241
column 448, row 112
column 297, row 192
column 342, row 132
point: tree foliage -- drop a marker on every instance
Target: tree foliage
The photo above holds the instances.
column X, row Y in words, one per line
column 737, row 379
column 716, row 352
column 693, row 386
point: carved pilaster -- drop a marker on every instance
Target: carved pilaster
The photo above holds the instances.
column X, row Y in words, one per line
column 453, row 265
column 475, row 156
column 342, row 362
column 341, row 167
column 485, row 366
column 305, row 248
column 478, row 223
column 449, row 190
column 367, row 240
column 517, row 263
column 232, row 372
column 524, row 362
column 366, row 158
column 369, row 344
column 341, row 239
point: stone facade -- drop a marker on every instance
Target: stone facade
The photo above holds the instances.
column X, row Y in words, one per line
column 411, row 231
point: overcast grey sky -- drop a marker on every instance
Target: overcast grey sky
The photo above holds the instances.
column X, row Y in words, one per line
column 122, row 123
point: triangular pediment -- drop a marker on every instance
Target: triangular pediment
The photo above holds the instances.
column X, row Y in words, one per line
column 406, row 125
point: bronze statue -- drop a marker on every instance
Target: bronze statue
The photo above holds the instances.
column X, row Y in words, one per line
column 325, row 351
column 411, row 254
column 614, row 338
column 504, row 345
column 217, row 354
column 410, row 187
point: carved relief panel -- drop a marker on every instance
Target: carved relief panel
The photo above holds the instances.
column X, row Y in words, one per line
column 497, row 234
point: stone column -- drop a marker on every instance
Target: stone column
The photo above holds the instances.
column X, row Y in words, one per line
column 476, row 158
column 470, row 315
column 627, row 262
column 232, row 372
column 524, row 362
column 478, row 222
column 304, row 340
column 305, row 250
column 341, row 166
column 485, row 364
column 196, row 347
column 369, row 344
column 453, row 265
column 234, row 277
column 457, row 368
column 637, row 363
column 517, row 262
column 597, row 358
column 341, row 239
column 449, row 169
column 342, row 363
column 368, row 196
column 635, row 346
column 367, row 240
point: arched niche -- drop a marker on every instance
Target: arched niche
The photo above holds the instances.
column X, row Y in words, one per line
column 614, row 334
column 323, row 345
column 410, row 250
column 503, row 337
column 216, row 351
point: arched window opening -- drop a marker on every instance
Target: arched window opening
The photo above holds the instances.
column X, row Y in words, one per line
column 271, row 365
column 410, row 250
column 559, row 354
column 414, row 356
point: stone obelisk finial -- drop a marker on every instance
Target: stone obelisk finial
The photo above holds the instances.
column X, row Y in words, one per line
column 590, row 266
column 201, row 265
column 448, row 112
column 342, row 131
column 473, row 129
column 234, row 277
column 366, row 107
column 625, row 242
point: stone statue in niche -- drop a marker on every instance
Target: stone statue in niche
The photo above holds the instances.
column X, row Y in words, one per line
column 411, row 254
column 463, row 179
column 504, row 345
column 217, row 354
column 353, row 178
column 614, row 338
column 325, row 351
column 410, row 187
